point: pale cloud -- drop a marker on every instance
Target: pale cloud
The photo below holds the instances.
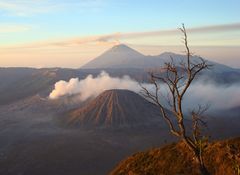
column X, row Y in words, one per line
column 25, row 7
column 10, row 28
column 170, row 32
column 163, row 37
column 31, row 7
column 69, row 42
column 216, row 28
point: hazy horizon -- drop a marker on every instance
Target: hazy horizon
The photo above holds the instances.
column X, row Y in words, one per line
column 220, row 54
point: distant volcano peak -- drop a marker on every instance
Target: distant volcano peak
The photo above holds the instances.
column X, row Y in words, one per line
column 121, row 46
column 123, row 49
column 119, row 56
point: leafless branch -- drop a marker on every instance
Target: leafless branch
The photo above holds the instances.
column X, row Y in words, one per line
column 178, row 77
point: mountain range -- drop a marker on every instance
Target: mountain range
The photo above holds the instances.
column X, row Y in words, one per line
column 19, row 83
column 122, row 56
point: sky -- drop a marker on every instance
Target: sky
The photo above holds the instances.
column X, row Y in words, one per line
column 69, row 33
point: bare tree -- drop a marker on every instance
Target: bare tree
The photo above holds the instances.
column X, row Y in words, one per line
column 178, row 77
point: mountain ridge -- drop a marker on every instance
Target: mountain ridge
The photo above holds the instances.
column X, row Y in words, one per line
column 176, row 158
column 123, row 56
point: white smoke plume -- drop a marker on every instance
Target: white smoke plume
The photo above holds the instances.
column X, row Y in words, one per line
column 219, row 97
column 91, row 87
column 216, row 96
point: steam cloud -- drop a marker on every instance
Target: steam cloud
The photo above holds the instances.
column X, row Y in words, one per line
column 91, row 87
column 219, row 97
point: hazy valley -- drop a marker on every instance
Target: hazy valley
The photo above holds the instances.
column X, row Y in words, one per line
column 88, row 131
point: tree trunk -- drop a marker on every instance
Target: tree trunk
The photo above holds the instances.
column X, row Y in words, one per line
column 203, row 170
column 202, row 167
column 197, row 153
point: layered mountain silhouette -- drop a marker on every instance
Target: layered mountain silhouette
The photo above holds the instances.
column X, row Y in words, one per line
column 114, row 108
column 122, row 56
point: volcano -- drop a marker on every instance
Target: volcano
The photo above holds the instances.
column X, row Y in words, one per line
column 119, row 56
column 115, row 108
